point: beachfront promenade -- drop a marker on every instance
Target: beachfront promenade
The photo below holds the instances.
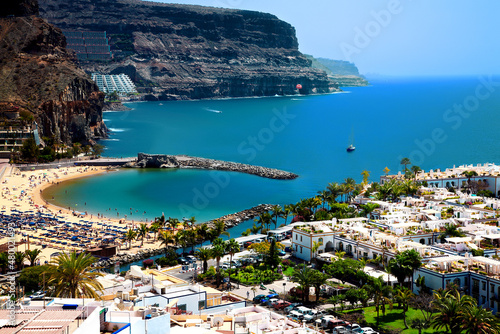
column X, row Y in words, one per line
column 52, row 229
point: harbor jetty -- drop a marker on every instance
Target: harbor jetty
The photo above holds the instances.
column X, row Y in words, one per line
column 234, row 219
column 183, row 161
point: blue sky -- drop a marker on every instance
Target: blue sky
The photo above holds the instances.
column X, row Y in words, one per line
column 391, row 37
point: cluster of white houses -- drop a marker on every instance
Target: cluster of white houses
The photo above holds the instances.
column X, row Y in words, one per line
column 149, row 301
column 417, row 223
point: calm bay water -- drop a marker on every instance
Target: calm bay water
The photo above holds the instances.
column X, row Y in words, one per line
column 419, row 118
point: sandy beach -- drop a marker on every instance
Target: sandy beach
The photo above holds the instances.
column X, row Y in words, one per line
column 21, row 200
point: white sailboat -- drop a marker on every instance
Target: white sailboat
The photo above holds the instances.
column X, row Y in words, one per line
column 351, row 146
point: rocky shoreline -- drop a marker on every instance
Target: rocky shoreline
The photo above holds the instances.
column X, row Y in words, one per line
column 115, row 106
column 182, row 161
column 234, row 219
column 142, row 254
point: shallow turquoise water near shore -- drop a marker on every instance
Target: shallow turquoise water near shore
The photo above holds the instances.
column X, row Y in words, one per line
column 307, row 135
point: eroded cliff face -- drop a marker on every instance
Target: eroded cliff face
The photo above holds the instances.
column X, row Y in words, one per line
column 39, row 75
column 191, row 52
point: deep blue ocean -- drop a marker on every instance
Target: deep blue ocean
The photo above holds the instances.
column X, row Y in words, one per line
column 436, row 122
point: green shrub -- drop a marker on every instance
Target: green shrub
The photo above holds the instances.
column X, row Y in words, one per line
column 249, row 269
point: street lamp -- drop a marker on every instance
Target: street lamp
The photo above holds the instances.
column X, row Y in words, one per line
column 284, row 289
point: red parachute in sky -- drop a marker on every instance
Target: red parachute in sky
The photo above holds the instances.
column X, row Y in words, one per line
column 299, row 86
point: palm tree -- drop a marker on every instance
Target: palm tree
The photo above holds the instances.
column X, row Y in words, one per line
column 32, row 255
column 477, row 320
column 155, row 227
column 304, row 277
column 4, row 261
column 469, row 174
column 161, row 221
column 380, row 293
column 255, row 229
column 19, row 260
column 191, row 237
column 220, row 228
column 172, row 223
column 277, row 212
column 232, row 247
column 451, row 230
column 218, row 251
column 264, row 219
column 405, row 162
column 315, row 247
column 368, row 208
column 181, row 238
column 165, row 237
column 204, row 254
column 254, row 290
column 448, row 309
column 404, row 264
column 318, row 279
column 287, row 209
column 142, row 232
column 404, row 296
column 366, row 175
column 202, row 232
column 72, row 276
column 415, row 170
column 334, row 190
column 130, row 236
column 350, row 186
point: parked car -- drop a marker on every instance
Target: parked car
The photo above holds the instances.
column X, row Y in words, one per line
column 291, row 307
column 272, row 301
column 281, row 253
column 192, row 258
column 281, row 304
column 306, row 312
column 248, row 243
column 354, row 328
column 323, row 322
column 258, row 298
column 368, row 330
column 296, row 314
column 183, row 260
column 333, row 323
column 288, row 249
column 340, row 330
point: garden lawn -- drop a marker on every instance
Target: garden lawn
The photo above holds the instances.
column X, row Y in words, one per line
column 394, row 318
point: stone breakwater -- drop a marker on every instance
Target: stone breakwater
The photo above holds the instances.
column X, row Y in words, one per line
column 182, row 161
column 142, row 254
column 234, row 219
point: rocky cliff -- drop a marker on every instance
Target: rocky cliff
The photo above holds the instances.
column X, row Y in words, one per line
column 190, row 52
column 344, row 73
column 38, row 75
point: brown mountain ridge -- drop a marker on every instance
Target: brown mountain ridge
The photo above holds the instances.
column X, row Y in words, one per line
column 192, row 52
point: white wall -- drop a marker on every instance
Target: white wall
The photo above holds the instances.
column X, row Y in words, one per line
column 91, row 325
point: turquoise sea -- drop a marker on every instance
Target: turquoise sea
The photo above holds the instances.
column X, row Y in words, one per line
column 436, row 122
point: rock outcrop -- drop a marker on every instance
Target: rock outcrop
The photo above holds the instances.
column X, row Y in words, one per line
column 40, row 76
column 344, row 73
column 193, row 52
column 182, row 161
